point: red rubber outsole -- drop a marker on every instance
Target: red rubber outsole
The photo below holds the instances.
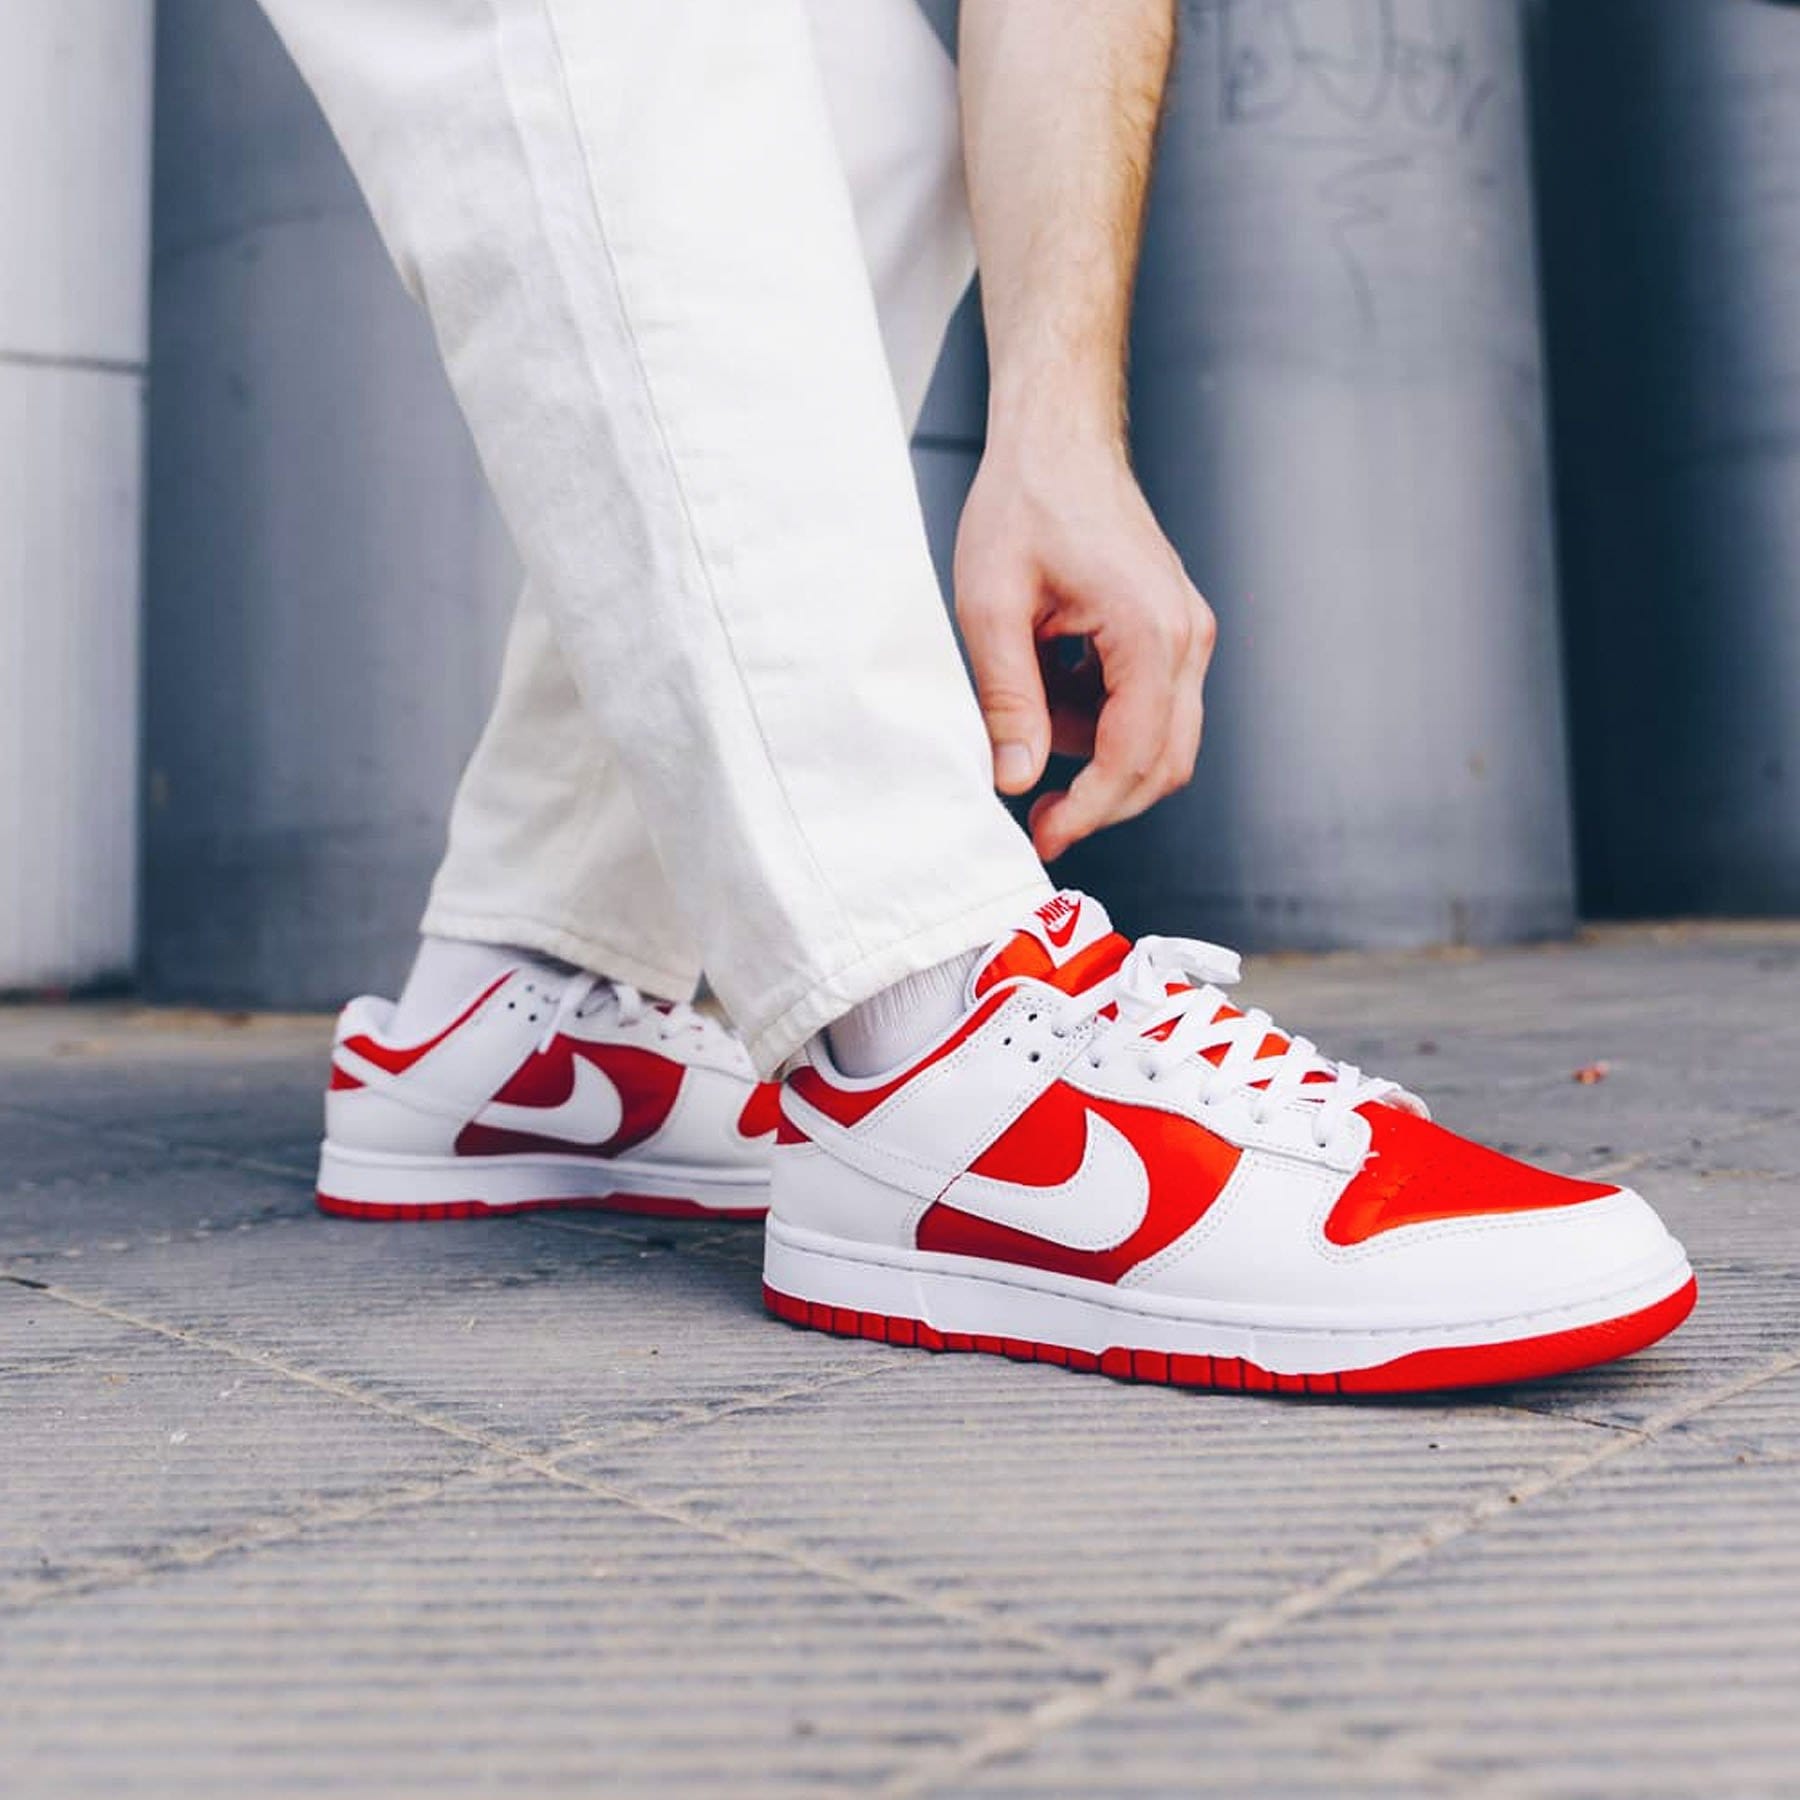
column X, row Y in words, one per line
column 1423, row 1371
column 652, row 1206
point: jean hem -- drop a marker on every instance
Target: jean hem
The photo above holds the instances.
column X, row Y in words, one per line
column 566, row 944
column 834, row 994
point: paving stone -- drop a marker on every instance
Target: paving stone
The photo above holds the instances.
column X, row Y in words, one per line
column 527, row 1640
column 113, row 1065
column 1764, row 1421
column 140, row 1118
column 45, row 1155
column 1167, row 1747
column 39, row 1333
column 125, row 1094
column 540, row 1334
column 124, row 1450
column 1637, row 1633
column 548, row 1506
column 1748, row 1314
column 1172, row 1510
column 88, row 1213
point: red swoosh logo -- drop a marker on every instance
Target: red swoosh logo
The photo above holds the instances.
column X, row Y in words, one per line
column 647, row 1085
column 761, row 1114
column 1059, row 935
column 1045, row 1147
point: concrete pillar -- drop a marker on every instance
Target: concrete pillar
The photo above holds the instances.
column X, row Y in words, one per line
column 328, row 581
column 1670, row 149
column 74, row 254
column 946, row 448
column 1339, row 416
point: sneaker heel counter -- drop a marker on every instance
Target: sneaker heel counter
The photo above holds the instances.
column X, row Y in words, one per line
column 367, row 1108
column 357, row 1117
column 813, row 1191
column 718, row 1123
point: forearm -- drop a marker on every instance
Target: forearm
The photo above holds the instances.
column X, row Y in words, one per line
column 1060, row 106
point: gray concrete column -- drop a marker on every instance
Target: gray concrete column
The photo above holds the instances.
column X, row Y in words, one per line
column 1670, row 135
column 1339, row 416
column 74, row 265
column 328, row 581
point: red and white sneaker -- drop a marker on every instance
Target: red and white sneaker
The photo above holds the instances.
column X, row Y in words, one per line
column 1105, row 1164
column 543, row 1093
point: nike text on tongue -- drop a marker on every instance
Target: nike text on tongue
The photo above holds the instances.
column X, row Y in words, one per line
column 1067, row 923
column 1053, row 944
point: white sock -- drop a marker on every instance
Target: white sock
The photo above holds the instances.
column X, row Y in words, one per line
column 447, row 974
column 902, row 1019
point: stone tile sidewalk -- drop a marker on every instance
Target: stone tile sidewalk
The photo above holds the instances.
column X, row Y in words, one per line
column 547, row 1506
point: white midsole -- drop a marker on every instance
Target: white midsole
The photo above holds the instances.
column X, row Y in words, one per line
column 381, row 1179
column 967, row 1294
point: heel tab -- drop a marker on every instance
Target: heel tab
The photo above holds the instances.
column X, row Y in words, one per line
column 368, row 1015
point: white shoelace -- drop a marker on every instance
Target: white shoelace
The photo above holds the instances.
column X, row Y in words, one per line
column 1186, row 1024
column 584, row 995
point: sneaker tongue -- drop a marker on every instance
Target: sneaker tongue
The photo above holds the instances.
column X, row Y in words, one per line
column 1069, row 942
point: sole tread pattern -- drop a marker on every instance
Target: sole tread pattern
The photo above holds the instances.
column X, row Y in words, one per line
column 1422, row 1371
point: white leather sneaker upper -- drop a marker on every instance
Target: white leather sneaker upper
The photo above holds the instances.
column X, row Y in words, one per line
column 1103, row 1113
column 572, row 1068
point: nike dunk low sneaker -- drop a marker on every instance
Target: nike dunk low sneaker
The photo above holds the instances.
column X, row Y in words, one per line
column 545, row 1093
column 1106, row 1164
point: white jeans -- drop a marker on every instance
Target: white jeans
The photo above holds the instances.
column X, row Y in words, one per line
column 689, row 263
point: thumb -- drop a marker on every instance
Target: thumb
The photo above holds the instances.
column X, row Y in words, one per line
column 1010, row 687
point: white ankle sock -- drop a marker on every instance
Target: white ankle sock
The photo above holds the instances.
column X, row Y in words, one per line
column 902, row 1019
column 447, row 973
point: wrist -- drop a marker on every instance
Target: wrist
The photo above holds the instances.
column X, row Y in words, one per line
column 1030, row 406
column 1056, row 421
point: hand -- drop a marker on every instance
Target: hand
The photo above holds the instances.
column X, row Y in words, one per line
column 1058, row 542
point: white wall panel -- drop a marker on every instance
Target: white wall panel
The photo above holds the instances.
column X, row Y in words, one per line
column 74, row 241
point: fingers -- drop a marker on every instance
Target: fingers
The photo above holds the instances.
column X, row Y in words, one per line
column 1189, row 717
column 1009, row 685
column 1147, row 736
column 1129, row 746
column 1088, row 567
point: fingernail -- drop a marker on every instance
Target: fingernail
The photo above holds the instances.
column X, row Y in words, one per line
column 1013, row 765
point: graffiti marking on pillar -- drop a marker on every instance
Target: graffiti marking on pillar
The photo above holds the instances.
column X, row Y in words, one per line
column 1361, row 61
column 1377, row 102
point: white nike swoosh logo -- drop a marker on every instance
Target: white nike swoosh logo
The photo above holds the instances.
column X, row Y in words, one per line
column 592, row 1113
column 1097, row 1208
